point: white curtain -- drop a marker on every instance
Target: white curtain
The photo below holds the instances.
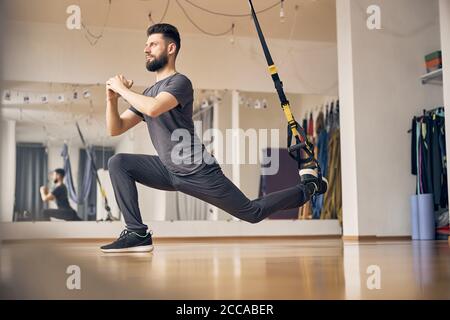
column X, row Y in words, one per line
column 190, row 208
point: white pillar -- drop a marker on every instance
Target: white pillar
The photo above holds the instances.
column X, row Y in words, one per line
column 347, row 119
column 236, row 152
column 7, row 169
column 236, row 172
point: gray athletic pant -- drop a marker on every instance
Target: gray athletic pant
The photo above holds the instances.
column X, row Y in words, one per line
column 208, row 184
column 62, row 214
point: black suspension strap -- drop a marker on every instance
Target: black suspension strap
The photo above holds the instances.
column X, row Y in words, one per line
column 295, row 131
column 109, row 216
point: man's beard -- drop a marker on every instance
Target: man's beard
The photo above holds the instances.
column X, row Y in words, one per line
column 55, row 181
column 157, row 63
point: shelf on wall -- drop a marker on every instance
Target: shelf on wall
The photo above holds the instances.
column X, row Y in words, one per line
column 432, row 77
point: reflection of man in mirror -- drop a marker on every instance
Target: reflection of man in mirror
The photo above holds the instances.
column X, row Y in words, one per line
column 59, row 195
column 167, row 107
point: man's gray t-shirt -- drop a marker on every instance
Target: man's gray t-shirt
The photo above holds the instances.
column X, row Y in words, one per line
column 61, row 198
column 181, row 151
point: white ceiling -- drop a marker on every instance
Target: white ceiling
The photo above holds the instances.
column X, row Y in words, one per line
column 316, row 19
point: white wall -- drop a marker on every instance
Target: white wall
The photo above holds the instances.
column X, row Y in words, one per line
column 444, row 9
column 7, row 169
column 380, row 92
column 61, row 55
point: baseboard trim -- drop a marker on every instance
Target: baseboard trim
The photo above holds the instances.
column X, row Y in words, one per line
column 178, row 239
column 170, row 229
column 376, row 238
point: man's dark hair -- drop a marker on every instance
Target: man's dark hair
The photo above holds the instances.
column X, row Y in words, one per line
column 169, row 32
column 61, row 172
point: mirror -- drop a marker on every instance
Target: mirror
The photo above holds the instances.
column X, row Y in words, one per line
column 60, row 81
column 46, row 116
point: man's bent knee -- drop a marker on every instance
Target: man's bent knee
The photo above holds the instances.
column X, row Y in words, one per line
column 116, row 162
column 252, row 219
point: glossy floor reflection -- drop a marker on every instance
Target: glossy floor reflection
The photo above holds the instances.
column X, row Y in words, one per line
column 230, row 269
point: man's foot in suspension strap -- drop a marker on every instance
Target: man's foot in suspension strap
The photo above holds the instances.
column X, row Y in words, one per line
column 316, row 185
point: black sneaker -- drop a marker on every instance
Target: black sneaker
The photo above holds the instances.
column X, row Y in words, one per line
column 310, row 178
column 130, row 241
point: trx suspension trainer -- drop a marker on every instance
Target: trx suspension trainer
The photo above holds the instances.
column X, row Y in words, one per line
column 109, row 216
column 295, row 131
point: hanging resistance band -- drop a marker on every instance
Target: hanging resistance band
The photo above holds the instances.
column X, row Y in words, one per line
column 109, row 216
column 295, row 131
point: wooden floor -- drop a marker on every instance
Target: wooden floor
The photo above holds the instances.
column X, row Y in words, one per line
column 230, row 269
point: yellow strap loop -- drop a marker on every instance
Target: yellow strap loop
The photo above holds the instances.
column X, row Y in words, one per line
column 288, row 113
column 272, row 69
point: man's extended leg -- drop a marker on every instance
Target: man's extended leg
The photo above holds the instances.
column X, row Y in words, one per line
column 212, row 186
column 61, row 214
column 127, row 169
